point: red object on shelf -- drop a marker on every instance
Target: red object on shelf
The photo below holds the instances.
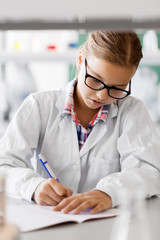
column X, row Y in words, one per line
column 51, row 47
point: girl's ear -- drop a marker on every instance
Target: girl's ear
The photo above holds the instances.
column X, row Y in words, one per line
column 80, row 59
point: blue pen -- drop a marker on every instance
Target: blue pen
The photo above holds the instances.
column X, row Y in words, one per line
column 47, row 167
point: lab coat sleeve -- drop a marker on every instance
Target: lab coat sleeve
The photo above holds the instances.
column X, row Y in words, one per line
column 17, row 148
column 139, row 150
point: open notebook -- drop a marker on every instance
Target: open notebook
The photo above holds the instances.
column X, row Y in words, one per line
column 33, row 217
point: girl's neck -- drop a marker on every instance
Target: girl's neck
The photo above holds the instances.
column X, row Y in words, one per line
column 84, row 113
column 80, row 105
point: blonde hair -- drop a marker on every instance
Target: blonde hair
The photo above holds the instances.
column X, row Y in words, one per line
column 121, row 48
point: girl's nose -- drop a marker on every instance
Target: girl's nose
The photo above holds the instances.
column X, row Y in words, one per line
column 102, row 94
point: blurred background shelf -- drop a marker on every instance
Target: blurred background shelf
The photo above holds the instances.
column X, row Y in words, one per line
column 65, row 56
column 68, row 56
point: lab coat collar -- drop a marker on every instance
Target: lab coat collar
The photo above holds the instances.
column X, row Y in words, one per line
column 113, row 111
column 61, row 102
column 96, row 134
column 98, row 131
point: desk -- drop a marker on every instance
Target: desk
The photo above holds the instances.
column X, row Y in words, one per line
column 96, row 229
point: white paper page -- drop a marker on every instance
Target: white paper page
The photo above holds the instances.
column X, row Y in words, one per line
column 33, row 217
column 79, row 218
column 28, row 219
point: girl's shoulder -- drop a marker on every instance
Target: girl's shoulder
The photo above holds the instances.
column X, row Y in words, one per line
column 46, row 98
column 47, row 95
column 132, row 107
column 44, row 101
column 53, row 95
column 130, row 102
column 123, row 107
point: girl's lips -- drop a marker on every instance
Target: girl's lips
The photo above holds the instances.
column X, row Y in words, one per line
column 96, row 103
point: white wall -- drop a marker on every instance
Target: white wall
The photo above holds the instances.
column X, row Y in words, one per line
column 62, row 9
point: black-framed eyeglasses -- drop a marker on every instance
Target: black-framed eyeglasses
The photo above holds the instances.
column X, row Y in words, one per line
column 98, row 85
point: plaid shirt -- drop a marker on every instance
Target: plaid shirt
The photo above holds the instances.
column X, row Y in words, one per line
column 82, row 132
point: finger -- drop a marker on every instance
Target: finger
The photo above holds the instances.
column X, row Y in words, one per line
column 69, row 192
column 57, row 187
column 99, row 208
column 46, row 189
column 46, row 200
column 64, row 203
column 60, row 205
column 87, row 205
column 71, row 206
column 53, row 195
column 51, row 202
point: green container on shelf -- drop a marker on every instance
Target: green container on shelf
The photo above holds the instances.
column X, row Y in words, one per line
column 72, row 67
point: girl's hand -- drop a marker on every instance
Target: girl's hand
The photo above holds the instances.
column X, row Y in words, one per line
column 96, row 200
column 50, row 192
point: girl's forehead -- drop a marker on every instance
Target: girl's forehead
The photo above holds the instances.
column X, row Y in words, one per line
column 109, row 72
column 97, row 65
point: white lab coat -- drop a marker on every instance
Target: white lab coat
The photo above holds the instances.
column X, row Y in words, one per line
column 123, row 152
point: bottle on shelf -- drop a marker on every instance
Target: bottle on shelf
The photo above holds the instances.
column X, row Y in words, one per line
column 150, row 41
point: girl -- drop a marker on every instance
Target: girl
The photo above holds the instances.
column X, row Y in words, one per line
column 95, row 137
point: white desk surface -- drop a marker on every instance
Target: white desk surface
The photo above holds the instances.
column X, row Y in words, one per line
column 95, row 229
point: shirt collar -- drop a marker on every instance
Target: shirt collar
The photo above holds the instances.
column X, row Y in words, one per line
column 70, row 110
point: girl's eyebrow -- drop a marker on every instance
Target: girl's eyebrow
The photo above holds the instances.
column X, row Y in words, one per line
column 96, row 74
column 118, row 85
